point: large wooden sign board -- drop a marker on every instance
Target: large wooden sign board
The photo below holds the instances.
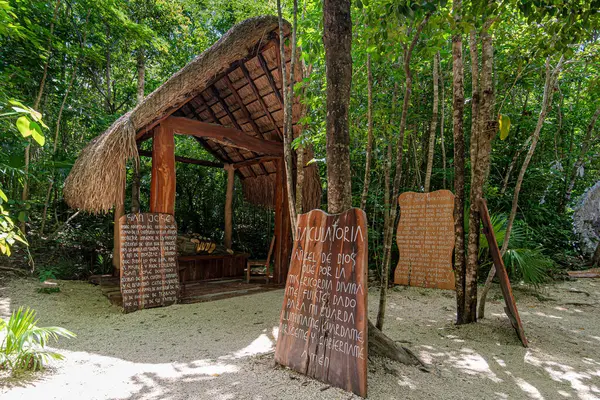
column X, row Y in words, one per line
column 509, row 300
column 323, row 324
column 149, row 275
column 425, row 239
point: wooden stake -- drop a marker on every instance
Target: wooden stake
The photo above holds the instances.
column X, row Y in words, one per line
column 228, row 205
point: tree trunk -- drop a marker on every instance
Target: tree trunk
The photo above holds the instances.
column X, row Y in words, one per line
column 485, row 128
column 385, row 270
column 36, row 105
column 458, row 104
column 388, row 229
column 585, row 147
column 365, row 193
column 434, row 117
column 137, row 173
column 288, row 98
column 337, row 37
column 442, row 122
column 512, row 165
column 551, row 77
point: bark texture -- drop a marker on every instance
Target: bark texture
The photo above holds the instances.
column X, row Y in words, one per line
column 433, row 126
column 288, row 93
column 337, row 39
column 486, row 126
column 458, row 104
column 385, row 270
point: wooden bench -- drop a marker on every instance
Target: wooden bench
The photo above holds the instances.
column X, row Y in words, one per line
column 260, row 263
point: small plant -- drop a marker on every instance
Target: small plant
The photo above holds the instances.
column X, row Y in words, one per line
column 23, row 344
column 47, row 274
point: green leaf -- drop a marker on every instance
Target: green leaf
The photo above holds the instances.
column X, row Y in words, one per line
column 3, row 196
column 23, row 126
column 504, row 122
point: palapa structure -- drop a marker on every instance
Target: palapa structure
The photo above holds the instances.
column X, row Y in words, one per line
column 230, row 100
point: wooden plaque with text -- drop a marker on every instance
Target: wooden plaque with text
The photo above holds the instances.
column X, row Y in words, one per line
column 425, row 239
column 149, row 275
column 323, row 324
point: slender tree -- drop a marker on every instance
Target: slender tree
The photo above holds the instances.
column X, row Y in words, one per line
column 388, row 229
column 369, row 155
column 550, row 82
column 434, row 118
column 288, row 99
column 458, row 104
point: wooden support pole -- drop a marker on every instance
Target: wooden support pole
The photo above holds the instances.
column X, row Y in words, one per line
column 119, row 212
column 162, row 185
column 229, row 205
column 283, row 233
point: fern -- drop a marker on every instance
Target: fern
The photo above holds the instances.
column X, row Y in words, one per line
column 529, row 265
column 23, row 344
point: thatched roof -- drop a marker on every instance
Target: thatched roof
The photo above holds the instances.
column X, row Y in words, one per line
column 235, row 83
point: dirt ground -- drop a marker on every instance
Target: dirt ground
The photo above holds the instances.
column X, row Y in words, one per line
column 223, row 350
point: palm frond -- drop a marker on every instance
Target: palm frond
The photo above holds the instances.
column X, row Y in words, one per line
column 23, row 346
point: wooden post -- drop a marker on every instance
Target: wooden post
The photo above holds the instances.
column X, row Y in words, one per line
column 119, row 212
column 283, row 233
column 228, row 205
column 162, row 186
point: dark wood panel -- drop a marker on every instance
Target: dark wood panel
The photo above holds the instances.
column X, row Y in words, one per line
column 149, row 273
column 323, row 324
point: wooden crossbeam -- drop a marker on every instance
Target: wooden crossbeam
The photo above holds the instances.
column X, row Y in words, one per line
column 207, row 147
column 257, row 160
column 260, row 99
column 186, row 160
column 213, row 116
column 245, row 112
column 231, row 137
column 265, row 68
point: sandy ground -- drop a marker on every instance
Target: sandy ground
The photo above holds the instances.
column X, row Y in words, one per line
column 224, row 349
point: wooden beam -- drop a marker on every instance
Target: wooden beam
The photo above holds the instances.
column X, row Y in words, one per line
column 265, row 68
column 162, row 184
column 229, row 206
column 245, row 112
column 187, row 160
column 229, row 136
column 204, row 144
column 260, row 99
column 216, row 121
column 256, row 160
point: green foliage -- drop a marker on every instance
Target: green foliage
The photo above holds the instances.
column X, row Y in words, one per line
column 96, row 45
column 529, row 265
column 24, row 343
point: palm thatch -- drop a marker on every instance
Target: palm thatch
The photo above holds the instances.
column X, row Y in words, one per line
column 235, row 83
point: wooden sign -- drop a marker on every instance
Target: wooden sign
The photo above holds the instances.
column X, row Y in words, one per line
column 425, row 239
column 323, row 325
column 509, row 300
column 149, row 276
